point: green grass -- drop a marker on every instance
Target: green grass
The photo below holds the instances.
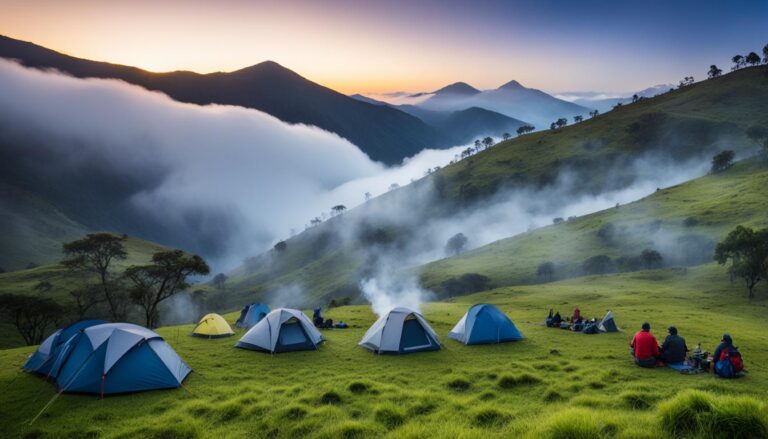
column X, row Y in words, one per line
column 554, row 384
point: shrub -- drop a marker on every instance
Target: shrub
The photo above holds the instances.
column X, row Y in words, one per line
column 339, row 301
column 690, row 222
column 512, row 381
column 389, row 416
column 490, row 417
column 600, row 264
column 699, row 414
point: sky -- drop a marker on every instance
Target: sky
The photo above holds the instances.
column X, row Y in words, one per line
column 385, row 46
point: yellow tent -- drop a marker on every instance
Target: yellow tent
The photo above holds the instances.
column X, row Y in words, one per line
column 212, row 326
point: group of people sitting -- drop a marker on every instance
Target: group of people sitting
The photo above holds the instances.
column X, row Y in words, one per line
column 573, row 323
column 321, row 323
column 726, row 362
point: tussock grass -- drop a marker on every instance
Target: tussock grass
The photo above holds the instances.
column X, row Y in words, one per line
column 638, row 400
column 524, row 379
column 458, row 384
column 577, row 424
column 697, row 414
column 390, row 416
column 489, row 417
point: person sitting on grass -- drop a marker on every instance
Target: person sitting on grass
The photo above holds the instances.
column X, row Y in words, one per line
column 557, row 320
column 549, row 319
column 674, row 349
column 727, row 359
column 576, row 315
column 645, row 348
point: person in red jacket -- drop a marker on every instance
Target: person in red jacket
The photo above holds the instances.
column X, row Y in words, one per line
column 645, row 348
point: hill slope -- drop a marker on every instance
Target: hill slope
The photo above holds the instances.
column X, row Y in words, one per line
column 384, row 133
column 682, row 222
column 33, row 229
column 597, row 155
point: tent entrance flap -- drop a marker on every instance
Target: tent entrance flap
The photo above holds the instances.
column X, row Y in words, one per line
column 413, row 336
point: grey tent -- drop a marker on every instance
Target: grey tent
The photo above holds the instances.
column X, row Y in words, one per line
column 400, row 331
column 282, row 330
column 608, row 324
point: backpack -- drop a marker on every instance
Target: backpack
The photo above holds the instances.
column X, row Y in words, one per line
column 730, row 363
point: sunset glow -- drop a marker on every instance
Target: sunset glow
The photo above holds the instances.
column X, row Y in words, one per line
column 354, row 46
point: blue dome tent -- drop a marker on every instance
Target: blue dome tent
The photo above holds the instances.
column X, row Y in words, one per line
column 282, row 330
column 117, row 358
column 41, row 361
column 485, row 323
column 400, row 331
column 252, row 314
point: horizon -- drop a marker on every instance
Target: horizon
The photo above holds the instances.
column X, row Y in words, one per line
column 399, row 47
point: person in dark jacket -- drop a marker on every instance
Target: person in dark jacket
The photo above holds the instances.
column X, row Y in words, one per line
column 557, row 320
column 674, row 349
column 725, row 343
column 549, row 319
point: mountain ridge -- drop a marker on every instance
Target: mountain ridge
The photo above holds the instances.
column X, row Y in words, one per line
column 384, row 134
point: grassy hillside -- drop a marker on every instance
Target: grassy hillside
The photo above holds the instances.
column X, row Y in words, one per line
column 553, row 384
column 688, row 123
column 61, row 280
column 33, row 229
column 689, row 214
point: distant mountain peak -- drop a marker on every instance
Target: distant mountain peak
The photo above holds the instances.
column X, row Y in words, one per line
column 512, row 85
column 459, row 88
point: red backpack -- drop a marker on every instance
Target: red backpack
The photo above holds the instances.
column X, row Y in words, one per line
column 734, row 357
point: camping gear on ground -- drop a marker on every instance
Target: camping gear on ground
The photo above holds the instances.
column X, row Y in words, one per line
column 41, row 361
column 282, row 330
column 212, row 326
column 117, row 358
column 251, row 314
column 590, row 328
column 400, row 331
column 697, row 356
column 341, row 325
column 685, row 368
column 565, row 325
column 608, row 324
column 484, row 323
column 328, row 324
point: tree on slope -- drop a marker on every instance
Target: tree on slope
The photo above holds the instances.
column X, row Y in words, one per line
column 765, row 54
column 163, row 278
column 752, row 59
column 546, row 271
column 760, row 135
column 488, row 142
column 722, row 161
column 95, row 254
column 747, row 251
column 738, row 62
column 456, row 244
column 714, row 72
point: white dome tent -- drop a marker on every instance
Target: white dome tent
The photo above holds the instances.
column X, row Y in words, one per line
column 400, row 331
column 282, row 330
